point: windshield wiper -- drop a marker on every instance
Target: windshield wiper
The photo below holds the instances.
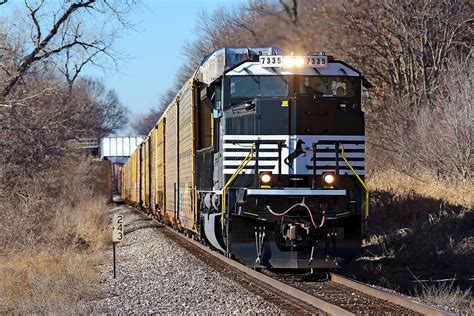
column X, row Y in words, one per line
column 255, row 78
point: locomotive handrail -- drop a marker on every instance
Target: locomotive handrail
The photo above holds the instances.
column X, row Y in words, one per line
column 366, row 215
column 232, row 178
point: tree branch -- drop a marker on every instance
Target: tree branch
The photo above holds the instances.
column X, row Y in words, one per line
column 33, row 55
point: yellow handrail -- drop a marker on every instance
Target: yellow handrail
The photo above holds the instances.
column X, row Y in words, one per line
column 232, row 178
column 361, row 182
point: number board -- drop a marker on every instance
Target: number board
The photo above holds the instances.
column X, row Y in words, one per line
column 117, row 228
column 277, row 61
column 271, row 61
column 319, row 61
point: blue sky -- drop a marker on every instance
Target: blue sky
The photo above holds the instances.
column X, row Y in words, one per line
column 154, row 48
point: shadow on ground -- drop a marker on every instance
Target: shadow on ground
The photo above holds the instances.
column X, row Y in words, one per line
column 416, row 238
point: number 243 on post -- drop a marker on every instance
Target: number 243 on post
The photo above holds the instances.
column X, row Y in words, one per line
column 117, row 228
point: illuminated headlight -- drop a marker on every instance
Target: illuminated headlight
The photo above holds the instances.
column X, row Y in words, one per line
column 265, row 178
column 299, row 62
column 293, row 61
column 329, row 178
column 289, row 61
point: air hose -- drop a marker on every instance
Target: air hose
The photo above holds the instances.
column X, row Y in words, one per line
column 323, row 219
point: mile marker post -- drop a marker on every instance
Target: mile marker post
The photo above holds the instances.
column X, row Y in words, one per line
column 117, row 233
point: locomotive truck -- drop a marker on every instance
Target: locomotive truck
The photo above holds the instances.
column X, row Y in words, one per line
column 261, row 156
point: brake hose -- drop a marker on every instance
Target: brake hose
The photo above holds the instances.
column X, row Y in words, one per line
column 307, row 208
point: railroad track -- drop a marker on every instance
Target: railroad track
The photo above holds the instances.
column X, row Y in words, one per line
column 300, row 295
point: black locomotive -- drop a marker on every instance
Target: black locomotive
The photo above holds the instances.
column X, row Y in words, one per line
column 287, row 162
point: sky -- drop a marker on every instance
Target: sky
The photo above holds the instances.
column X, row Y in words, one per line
column 154, row 50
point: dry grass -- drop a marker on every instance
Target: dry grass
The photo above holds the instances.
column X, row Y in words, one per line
column 52, row 229
column 402, row 186
column 41, row 282
column 446, row 294
column 424, row 216
column 82, row 227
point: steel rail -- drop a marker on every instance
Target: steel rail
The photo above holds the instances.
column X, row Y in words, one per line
column 277, row 285
column 391, row 297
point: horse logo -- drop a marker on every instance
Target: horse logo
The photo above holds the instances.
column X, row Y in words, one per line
column 298, row 151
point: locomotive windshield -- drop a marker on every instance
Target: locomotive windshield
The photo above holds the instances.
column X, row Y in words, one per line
column 258, row 86
column 326, row 86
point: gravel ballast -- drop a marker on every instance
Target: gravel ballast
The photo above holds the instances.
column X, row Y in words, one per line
column 155, row 275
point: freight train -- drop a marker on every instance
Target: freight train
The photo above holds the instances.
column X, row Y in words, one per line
column 261, row 156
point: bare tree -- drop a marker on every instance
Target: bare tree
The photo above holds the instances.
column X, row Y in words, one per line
column 295, row 26
column 39, row 112
column 106, row 113
column 445, row 131
column 73, row 31
column 241, row 26
column 39, row 128
column 438, row 139
column 144, row 123
column 63, row 39
column 291, row 10
column 405, row 45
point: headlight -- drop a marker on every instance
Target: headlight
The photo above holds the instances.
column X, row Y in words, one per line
column 329, row 178
column 265, row 178
column 289, row 61
column 299, row 62
column 293, row 61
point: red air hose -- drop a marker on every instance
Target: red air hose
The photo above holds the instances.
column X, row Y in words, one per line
column 323, row 219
